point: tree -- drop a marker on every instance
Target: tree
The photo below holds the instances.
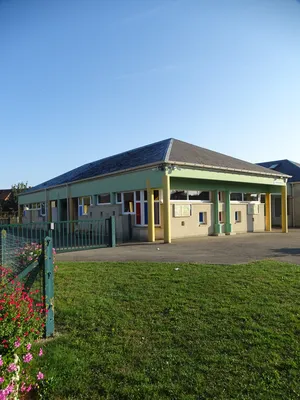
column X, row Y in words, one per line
column 11, row 205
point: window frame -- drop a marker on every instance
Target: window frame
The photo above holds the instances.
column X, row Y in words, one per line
column 258, row 201
column 134, row 203
column 118, row 202
column 103, row 194
column 221, row 196
column 142, row 202
column 221, row 220
column 239, row 220
column 191, row 200
column 43, row 205
column 81, row 204
column 204, row 218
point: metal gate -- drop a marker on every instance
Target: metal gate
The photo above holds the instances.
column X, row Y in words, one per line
column 67, row 235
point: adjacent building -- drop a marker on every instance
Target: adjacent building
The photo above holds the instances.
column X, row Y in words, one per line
column 165, row 190
column 292, row 169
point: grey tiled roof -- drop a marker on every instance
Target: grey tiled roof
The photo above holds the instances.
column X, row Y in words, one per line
column 183, row 152
column 150, row 154
column 168, row 150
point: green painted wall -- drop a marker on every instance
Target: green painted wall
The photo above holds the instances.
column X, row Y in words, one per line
column 225, row 177
column 180, row 179
column 123, row 182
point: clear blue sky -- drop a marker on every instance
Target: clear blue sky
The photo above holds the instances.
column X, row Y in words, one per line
column 85, row 79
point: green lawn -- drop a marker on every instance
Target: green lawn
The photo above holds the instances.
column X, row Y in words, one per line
column 149, row 331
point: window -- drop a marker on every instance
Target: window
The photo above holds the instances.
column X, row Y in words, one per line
column 43, row 210
column 221, row 197
column 251, row 197
column 83, row 205
column 118, row 198
column 197, row 195
column 141, row 215
column 236, row 196
column 179, row 195
column 34, row 206
column 189, row 195
column 202, row 218
column 138, row 212
column 103, row 198
column 221, row 217
column 245, row 197
column 156, row 213
column 128, row 203
column 277, row 207
column 237, row 216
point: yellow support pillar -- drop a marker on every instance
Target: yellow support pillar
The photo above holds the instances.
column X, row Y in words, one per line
column 167, row 213
column 284, row 217
column 268, row 213
column 151, row 227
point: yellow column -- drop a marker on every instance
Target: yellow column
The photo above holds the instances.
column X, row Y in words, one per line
column 167, row 214
column 284, row 217
column 151, row 227
column 268, row 213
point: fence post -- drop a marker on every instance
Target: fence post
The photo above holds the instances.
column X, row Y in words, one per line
column 49, row 286
column 3, row 247
column 112, row 239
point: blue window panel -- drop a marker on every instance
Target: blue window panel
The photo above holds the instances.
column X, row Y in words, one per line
column 236, row 216
column 80, row 211
column 146, row 213
column 201, row 217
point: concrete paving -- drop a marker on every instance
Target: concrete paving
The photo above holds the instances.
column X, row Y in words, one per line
column 211, row 250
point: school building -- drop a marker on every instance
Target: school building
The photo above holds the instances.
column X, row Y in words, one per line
column 164, row 190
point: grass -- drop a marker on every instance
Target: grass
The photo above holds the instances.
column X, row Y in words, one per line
column 149, row 331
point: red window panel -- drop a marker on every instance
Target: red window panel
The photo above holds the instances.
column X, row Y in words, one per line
column 138, row 219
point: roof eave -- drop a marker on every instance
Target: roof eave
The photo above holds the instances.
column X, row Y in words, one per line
column 140, row 168
column 217, row 168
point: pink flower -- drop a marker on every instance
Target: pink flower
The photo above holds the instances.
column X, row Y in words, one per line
column 28, row 347
column 17, row 343
column 41, row 352
column 23, row 387
column 40, row 376
column 27, row 358
column 29, row 388
column 1, row 361
column 12, row 367
column 1, row 379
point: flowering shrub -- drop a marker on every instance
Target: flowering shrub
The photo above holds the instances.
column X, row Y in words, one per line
column 22, row 323
column 29, row 253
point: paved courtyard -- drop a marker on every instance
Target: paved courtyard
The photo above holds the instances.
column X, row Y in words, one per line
column 213, row 250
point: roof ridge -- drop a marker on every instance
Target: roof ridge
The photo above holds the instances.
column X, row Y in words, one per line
column 169, row 148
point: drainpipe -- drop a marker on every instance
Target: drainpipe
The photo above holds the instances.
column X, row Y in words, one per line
column 45, row 218
column 68, row 211
column 293, row 206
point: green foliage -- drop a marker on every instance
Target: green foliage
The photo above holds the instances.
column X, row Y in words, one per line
column 176, row 331
column 11, row 205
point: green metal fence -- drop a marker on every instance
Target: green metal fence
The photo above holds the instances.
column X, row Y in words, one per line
column 32, row 264
column 67, row 235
